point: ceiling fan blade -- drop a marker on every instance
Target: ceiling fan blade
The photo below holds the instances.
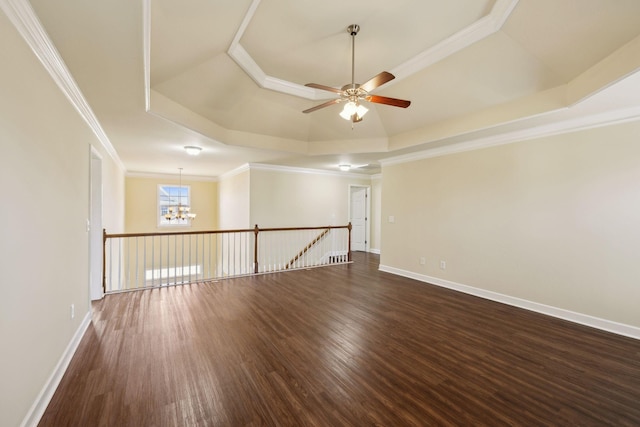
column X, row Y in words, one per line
column 323, row 87
column 326, row 104
column 388, row 101
column 377, row 81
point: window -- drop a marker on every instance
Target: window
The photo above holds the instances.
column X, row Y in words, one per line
column 174, row 197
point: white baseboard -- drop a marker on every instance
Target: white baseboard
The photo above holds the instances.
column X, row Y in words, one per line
column 374, row 251
column 583, row 319
column 42, row 401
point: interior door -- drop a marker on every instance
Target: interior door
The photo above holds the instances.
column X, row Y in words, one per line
column 358, row 210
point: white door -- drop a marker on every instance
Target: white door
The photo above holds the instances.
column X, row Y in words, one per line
column 359, row 220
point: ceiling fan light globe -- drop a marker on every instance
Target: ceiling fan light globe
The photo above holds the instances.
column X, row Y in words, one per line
column 361, row 110
column 350, row 108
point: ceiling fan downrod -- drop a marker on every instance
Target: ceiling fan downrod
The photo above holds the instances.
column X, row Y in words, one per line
column 353, row 30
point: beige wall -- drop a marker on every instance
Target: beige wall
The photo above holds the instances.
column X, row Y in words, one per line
column 142, row 201
column 233, row 201
column 281, row 198
column 113, row 194
column 552, row 221
column 265, row 197
column 44, row 170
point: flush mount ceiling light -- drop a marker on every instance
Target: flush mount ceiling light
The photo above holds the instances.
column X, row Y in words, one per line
column 192, row 150
column 344, row 168
column 353, row 93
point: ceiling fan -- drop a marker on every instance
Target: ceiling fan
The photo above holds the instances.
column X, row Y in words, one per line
column 353, row 93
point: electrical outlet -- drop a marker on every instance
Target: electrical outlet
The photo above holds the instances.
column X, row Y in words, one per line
column 423, row 260
column 443, row 265
column 73, row 311
column 392, row 219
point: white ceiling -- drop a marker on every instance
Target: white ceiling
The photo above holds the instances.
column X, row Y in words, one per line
column 229, row 75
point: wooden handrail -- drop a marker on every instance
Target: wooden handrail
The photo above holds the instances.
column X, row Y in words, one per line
column 256, row 230
column 306, row 249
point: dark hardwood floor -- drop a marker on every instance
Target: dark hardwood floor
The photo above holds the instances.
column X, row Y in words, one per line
column 340, row 346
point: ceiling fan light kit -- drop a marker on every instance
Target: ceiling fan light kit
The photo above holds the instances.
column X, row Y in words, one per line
column 353, row 111
column 353, row 93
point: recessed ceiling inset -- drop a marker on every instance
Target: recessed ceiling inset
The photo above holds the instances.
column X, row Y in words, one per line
column 465, row 37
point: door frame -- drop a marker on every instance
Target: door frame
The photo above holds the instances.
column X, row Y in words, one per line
column 367, row 226
column 94, row 225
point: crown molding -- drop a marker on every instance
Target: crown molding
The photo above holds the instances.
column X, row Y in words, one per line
column 464, row 38
column 501, row 11
column 556, row 128
column 253, row 70
column 234, row 172
column 151, row 175
column 473, row 33
column 289, row 169
column 306, row 171
column 25, row 20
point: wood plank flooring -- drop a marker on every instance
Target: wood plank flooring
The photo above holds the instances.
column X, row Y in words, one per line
column 340, row 346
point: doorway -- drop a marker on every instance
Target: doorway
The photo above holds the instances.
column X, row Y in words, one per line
column 359, row 214
column 94, row 226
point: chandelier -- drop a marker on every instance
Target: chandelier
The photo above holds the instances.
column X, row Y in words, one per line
column 179, row 212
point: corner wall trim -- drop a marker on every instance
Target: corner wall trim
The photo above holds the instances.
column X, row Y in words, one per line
column 579, row 318
column 25, row 20
column 42, row 401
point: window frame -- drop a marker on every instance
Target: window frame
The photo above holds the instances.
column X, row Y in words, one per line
column 184, row 199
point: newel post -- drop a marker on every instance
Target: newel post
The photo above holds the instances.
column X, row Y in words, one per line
column 349, row 250
column 104, row 260
column 256, row 230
